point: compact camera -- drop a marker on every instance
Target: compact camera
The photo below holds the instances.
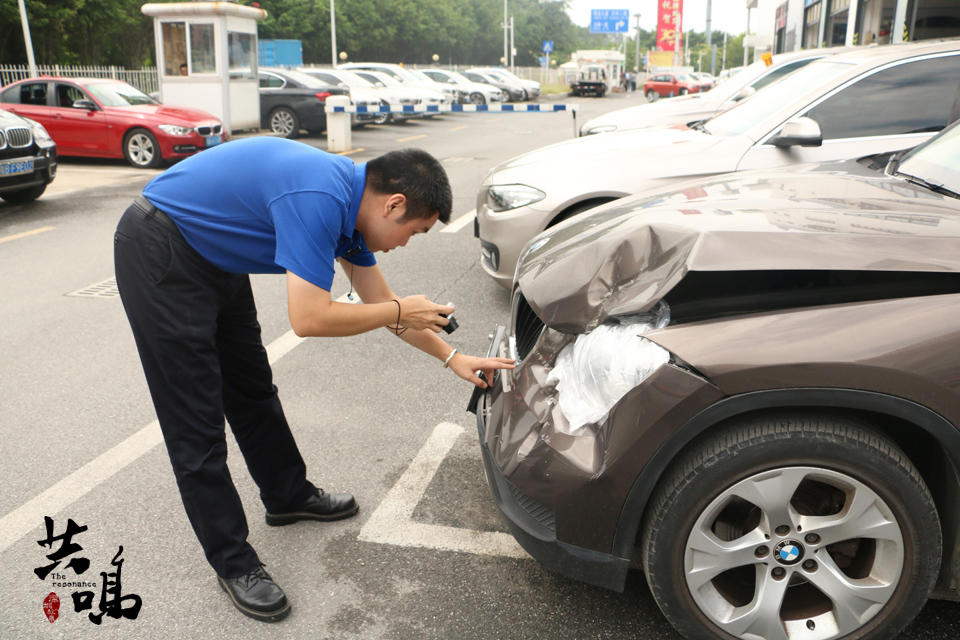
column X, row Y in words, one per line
column 452, row 325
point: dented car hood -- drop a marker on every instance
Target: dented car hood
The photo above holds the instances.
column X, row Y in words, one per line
column 622, row 258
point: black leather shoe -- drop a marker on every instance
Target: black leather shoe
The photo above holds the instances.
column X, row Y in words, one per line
column 257, row 595
column 320, row 506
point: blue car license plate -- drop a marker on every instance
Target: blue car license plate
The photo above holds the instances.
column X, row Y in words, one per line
column 212, row 141
column 16, row 167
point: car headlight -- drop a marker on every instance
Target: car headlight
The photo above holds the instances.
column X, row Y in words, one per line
column 504, row 197
column 40, row 135
column 592, row 373
column 176, row 130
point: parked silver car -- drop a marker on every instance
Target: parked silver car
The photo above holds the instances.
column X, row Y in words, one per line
column 404, row 77
column 700, row 106
column 412, row 99
column 513, row 91
column 468, row 91
column 865, row 102
column 530, row 87
column 362, row 93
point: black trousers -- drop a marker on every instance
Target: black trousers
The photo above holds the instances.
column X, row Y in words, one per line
column 199, row 342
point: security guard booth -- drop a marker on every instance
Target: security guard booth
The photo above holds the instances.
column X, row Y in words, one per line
column 207, row 58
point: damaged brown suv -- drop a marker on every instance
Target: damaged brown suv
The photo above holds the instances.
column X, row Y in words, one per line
column 748, row 387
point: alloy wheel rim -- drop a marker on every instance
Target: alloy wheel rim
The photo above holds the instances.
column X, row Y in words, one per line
column 282, row 122
column 796, row 553
column 141, row 149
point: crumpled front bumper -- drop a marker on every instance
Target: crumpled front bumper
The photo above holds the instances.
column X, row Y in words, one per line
column 562, row 495
column 531, row 523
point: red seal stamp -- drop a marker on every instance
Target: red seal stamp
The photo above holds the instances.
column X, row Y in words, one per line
column 51, row 607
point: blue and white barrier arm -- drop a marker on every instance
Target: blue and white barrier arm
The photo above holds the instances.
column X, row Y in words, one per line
column 455, row 108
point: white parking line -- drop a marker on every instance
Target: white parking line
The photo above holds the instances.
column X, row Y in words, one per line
column 460, row 222
column 27, row 516
column 392, row 522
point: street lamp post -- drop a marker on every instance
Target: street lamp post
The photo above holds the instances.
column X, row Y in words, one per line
column 28, row 42
column 333, row 35
column 636, row 54
column 506, row 43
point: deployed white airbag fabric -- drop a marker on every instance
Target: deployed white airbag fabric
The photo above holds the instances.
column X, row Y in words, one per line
column 592, row 373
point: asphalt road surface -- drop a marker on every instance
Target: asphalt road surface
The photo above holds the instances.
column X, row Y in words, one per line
column 427, row 556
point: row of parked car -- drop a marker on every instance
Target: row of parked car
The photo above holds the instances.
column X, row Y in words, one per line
column 376, row 84
column 733, row 315
column 96, row 117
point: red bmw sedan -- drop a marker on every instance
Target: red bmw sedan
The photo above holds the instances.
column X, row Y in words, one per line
column 103, row 118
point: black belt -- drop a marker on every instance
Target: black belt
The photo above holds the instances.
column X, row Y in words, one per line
column 147, row 207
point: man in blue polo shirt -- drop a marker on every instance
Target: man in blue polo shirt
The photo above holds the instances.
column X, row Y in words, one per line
column 183, row 251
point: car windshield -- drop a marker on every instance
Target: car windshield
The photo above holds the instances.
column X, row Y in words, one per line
column 372, row 79
column 460, row 78
column 506, row 74
column 117, row 94
column 306, row 80
column 734, row 84
column 352, row 80
column 772, row 97
column 421, row 76
column 388, row 80
column 937, row 161
column 405, row 75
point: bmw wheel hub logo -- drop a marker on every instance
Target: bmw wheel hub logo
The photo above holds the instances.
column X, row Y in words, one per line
column 788, row 552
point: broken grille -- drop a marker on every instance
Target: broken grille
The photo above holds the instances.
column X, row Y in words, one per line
column 527, row 327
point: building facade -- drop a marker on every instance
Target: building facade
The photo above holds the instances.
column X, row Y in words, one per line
column 805, row 24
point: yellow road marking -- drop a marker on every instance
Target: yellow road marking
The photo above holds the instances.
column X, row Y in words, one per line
column 408, row 138
column 458, row 128
column 17, row 236
column 347, row 153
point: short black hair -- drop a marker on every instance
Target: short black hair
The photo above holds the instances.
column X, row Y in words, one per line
column 417, row 175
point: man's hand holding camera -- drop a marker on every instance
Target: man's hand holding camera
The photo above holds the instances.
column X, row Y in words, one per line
column 418, row 312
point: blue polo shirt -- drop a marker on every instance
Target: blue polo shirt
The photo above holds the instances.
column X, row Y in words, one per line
column 267, row 205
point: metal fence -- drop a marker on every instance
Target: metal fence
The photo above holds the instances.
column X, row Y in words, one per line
column 144, row 79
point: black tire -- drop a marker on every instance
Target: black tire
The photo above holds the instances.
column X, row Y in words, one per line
column 683, row 92
column 477, row 98
column 652, row 96
column 699, row 500
column 23, row 196
column 285, row 122
column 141, row 150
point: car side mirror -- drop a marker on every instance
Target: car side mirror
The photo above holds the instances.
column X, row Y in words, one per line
column 89, row 105
column 744, row 93
column 801, row 132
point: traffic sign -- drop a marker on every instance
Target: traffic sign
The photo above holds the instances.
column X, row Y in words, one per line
column 609, row 20
column 547, row 46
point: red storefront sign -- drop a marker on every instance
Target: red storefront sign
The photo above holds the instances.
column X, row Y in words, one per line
column 669, row 25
